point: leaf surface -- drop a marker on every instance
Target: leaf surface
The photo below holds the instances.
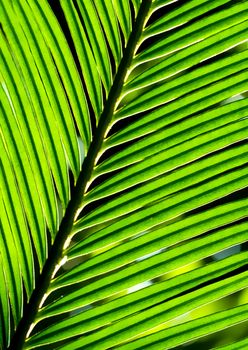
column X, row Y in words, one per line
column 123, row 173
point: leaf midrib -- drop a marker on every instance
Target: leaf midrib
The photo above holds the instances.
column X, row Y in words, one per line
column 79, row 190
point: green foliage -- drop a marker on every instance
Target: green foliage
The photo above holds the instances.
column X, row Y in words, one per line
column 123, row 174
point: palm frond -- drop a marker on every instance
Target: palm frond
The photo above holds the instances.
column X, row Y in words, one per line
column 123, row 172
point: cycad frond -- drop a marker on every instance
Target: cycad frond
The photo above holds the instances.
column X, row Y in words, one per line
column 123, row 171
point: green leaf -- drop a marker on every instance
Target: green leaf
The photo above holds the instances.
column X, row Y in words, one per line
column 4, row 309
column 235, row 346
column 97, row 41
column 124, row 174
column 120, row 332
column 195, row 329
column 147, row 269
column 25, row 177
column 188, row 227
column 56, row 96
column 10, row 267
column 92, row 319
column 168, row 91
column 201, row 29
column 17, row 221
column 108, row 19
column 180, row 15
column 123, row 12
column 174, row 134
column 65, row 65
column 85, row 56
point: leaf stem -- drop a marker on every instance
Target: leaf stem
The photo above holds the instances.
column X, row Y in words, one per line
column 56, row 251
